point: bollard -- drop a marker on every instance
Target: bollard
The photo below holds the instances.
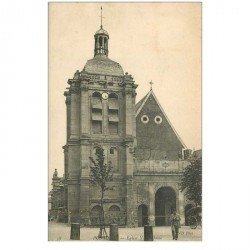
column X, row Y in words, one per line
column 75, row 231
column 148, row 233
column 113, row 232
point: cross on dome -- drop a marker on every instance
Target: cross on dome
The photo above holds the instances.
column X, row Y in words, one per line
column 101, row 18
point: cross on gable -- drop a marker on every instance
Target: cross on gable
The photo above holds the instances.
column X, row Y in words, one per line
column 151, row 83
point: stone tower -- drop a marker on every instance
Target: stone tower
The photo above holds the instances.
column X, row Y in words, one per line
column 100, row 104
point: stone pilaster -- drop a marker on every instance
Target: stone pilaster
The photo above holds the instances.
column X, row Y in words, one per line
column 84, row 151
column 85, row 108
column 129, row 112
column 182, row 207
column 105, row 124
column 151, row 204
column 84, row 182
column 74, row 112
column 130, row 133
column 131, row 212
column 84, row 200
column 73, row 145
column 73, row 199
column 66, row 161
column 68, row 112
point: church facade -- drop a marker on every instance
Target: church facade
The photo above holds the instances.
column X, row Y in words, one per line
column 146, row 153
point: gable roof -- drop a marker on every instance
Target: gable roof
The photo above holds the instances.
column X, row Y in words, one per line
column 139, row 104
column 142, row 102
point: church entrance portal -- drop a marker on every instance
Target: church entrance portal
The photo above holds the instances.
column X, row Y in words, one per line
column 142, row 215
column 165, row 203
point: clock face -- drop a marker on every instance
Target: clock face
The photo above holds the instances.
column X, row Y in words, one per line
column 105, row 96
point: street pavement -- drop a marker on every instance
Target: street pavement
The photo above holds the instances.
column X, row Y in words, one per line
column 61, row 232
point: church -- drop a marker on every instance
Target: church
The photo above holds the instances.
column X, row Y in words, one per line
column 146, row 153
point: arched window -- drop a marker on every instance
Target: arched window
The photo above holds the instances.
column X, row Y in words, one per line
column 96, row 95
column 105, row 42
column 114, row 215
column 100, row 41
column 113, row 96
column 114, row 208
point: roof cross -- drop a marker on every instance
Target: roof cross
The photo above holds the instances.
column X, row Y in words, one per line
column 151, row 83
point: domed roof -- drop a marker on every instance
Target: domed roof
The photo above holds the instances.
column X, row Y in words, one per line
column 104, row 66
column 101, row 31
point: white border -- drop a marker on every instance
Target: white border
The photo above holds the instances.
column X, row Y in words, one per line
column 226, row 134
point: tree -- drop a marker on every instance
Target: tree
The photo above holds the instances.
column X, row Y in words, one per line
column 100, row 174
column 191, row 181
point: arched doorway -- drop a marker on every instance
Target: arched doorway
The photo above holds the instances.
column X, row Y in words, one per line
column 114, row 214
column 142, row 215
column 187, row 213
column 165, row 203
column 95, row 215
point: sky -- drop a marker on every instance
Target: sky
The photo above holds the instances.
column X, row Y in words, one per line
column 151, row 41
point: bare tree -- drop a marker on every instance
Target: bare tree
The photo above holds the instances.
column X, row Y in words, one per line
column 100, row 174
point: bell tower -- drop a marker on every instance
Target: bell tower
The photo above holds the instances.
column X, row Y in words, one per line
column 100, row 105
column 101, row 41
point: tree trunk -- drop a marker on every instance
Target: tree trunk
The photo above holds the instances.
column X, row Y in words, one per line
column 102, row 232
column 102, row 210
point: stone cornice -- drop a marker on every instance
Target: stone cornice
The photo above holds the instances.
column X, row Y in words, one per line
column 73, row 82
column 73, row 142
column 151, row 173
column 84, row 76
column 97, row 201
column 88, row 138
column 84, row 87
column 108, row 89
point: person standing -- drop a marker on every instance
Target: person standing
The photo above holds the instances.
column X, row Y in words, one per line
column 175, row 224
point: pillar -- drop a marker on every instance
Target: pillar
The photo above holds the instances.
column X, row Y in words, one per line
column 74, row 112
column 129, row 144
column 105, row 116
column 84, row 153
column 113, row 232
column 68, row 111
column 182, row 207
column 85, row 108
column 151, row 205
column 84, row 184
column 75, row 231
column 148, row 233
column 73, row 150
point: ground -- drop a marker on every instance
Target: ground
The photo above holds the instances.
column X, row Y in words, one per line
column 61, row 232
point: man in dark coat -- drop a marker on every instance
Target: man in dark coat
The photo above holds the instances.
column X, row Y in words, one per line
column 175, row 224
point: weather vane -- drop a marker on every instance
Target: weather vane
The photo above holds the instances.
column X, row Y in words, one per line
column 151, row 83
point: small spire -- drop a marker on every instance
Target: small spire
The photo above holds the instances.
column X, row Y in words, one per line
column 151, row 83
column 101, row 17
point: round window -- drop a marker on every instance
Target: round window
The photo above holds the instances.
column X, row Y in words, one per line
column 158, row 119
column 145, row 119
